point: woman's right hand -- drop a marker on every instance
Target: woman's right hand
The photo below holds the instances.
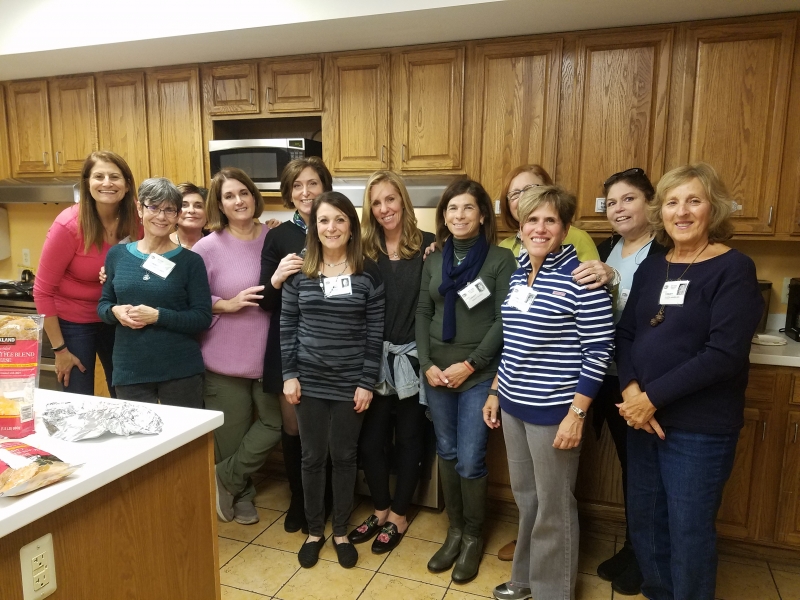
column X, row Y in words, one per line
column 289, row 265
column 435, row 377
column 291, row 389
column 65, row 361
column 490, row 409
column 102, row 276
column 121, row 312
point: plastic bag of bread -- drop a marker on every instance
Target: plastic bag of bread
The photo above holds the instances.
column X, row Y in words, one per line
column 24, row 468
column 20, row 348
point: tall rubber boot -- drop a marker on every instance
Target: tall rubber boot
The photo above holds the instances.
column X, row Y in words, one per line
column 451, row 488
column 293, row 461
column 473, row 494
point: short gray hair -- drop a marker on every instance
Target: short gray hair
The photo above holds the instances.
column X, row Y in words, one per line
column 158, row 190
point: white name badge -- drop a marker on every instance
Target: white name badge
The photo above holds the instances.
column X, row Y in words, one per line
column 474, row 293
column 340, row 285
column 623, row 299
column 674, row 292
column 158, row 265
column 521, row 297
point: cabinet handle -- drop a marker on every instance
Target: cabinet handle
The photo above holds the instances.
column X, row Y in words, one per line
column 403, row 153
column 763, row 430
column 794, row 441
column 383, row 150
column 269, row 93
column 58, row 157
column 769, row 219
column 44, row 158
column 251, row 96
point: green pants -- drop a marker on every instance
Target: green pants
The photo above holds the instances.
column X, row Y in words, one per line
column 242, row 443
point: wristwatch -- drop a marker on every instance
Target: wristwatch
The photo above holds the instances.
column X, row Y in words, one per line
column 471, row 362
column 578, row 411
column 492, row 392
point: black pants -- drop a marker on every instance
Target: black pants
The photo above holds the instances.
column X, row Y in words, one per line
column 328, row 426
column 186, row 392
column 375, row 449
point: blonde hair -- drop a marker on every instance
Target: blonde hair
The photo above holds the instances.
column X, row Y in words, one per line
column 560, row 199
column 371, row 230
column 216, row 219
column 313, row 257
column 720, row 226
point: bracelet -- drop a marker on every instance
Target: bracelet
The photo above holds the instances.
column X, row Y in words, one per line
column 578, row 411
column 615, row 280
column 492, row 392
column 469, row 366
column 61, row 348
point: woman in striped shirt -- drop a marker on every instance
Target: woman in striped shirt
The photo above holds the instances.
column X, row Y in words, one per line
column 557, row 343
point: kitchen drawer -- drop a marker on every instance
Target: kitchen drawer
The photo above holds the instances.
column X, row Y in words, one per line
column 761, row 384
column 795, row 397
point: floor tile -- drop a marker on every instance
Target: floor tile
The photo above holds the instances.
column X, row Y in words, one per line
column 497, row 534
column 458, row 595
column 788, row 584
column 429, row 525
column 258, row 569
column 617, row 596
column 385, row 587
column 326, row 581
column 492, row 572
column 229, row 593
column 362, row 510
column 736, row 581
column 592, row 552
column 275, row 536
column 228, row 549
column 366, row 559
column 410, row 560
column 247, row 533
column 782, row 566
column 591, row 587
column 274, row 494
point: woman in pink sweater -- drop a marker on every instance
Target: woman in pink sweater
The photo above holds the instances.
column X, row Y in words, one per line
column 66, row 290
column 233, row 347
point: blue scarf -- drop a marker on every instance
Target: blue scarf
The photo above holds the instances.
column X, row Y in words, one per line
column 455, row 277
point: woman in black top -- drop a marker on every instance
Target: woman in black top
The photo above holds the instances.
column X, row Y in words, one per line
column 302, row 181
column 392, row 239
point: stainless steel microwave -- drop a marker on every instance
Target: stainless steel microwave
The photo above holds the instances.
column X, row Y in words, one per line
column 262, row 160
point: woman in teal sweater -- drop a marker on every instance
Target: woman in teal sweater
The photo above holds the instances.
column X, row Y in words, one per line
column 157, row 294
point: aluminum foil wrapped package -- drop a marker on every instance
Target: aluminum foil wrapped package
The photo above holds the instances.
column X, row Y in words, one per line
column 83, row 420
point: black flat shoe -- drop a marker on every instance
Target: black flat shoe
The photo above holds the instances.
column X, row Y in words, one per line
column 616, row 565
column 309, row 553
column 387, row 539
column 365, row 532
column 346, row 553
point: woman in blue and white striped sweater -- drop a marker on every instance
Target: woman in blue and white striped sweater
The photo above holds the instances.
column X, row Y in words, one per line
column 557, row 343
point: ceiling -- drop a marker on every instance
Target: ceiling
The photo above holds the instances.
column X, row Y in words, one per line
column 41, row 38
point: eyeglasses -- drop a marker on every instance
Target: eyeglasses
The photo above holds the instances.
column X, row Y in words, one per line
column 627, row 173
column 154, row 210
column 517, row 193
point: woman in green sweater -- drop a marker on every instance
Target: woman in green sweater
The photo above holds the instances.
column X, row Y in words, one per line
column 459, row 336
column 157, row 294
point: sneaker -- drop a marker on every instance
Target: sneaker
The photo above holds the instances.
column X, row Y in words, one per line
column 245, row 513
column 508, row 591
column 224, row 502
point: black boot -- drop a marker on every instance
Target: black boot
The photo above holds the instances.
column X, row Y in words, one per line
column 616, row 565
column 292, row 461
column 451, row 489
column 473, row 494
column 629, row 582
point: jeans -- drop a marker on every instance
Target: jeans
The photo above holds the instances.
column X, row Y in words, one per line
column 85, row 341
column 328, row 426
column 461, row 433
column 674, row 492
column 186, row 392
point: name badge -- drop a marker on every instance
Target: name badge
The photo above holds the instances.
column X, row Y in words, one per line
column 623, row 299
column 474, row 293
column 521, row 297
column 674, row 292
column 158, row 265
column 337, row 286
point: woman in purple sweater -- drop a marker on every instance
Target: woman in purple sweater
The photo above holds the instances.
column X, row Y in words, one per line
column 232, row 254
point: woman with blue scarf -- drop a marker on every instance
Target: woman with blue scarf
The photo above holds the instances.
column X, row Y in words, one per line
column 459, row 336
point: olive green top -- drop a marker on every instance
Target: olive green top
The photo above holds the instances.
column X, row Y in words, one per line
column 584, row 245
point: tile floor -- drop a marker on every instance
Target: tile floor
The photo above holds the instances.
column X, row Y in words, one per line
column 260, row 561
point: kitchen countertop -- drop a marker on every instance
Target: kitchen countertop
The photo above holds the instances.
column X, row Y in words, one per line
column 104, row 459
column 782, row 356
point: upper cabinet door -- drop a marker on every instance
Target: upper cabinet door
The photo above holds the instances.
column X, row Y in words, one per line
column 5, row 163
column 731, row 109
column 619, row 114
column 29, row 128
column 291, row 86
column 516, row 108
column 173, row 116
column 428, row 88
column 122, row 119
column 355, row 119
column 231, row 89
column 74, row 121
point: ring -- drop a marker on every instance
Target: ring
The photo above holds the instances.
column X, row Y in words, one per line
column 596, row 277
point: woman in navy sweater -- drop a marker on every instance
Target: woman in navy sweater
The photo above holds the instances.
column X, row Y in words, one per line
column 682, row 357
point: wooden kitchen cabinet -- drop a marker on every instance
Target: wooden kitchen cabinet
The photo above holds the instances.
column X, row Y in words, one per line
column 29, row 128
column 74, row 122
column 729, row 109
column 174, row 124
column 5, row 163
column 355, row 118
column 231, row 89
column 291, row 85
column 122, row 119
column 788, row 530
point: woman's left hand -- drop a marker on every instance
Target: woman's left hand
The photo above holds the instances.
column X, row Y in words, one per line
column 636, row 409
column 362, row 398
column 456, row 374
column 569, row 433
column 143, row 314
column 593, row 274
column 491, row 410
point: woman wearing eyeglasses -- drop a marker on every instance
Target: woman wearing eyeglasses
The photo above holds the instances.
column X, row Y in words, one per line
column 156, row 293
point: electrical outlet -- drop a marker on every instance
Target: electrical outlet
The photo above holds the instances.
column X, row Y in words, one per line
column 785, row 290
column 26, row 257
column 599, row 205
column 497, row 207
column 38, row 568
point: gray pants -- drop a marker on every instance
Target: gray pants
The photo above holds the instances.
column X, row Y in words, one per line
column 543, row 482
column 242, row 443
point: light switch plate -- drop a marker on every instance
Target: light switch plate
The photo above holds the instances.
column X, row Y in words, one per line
column 37, row 562
column 599, row 205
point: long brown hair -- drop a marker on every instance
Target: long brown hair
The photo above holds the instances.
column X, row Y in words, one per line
column 482, row 199
column 538, row 171
column 355, row 253
column 216, row 219
column 89, row 219
column 371, row 230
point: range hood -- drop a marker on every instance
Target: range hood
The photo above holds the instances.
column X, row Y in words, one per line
column 51, row 190
column 424, row 191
